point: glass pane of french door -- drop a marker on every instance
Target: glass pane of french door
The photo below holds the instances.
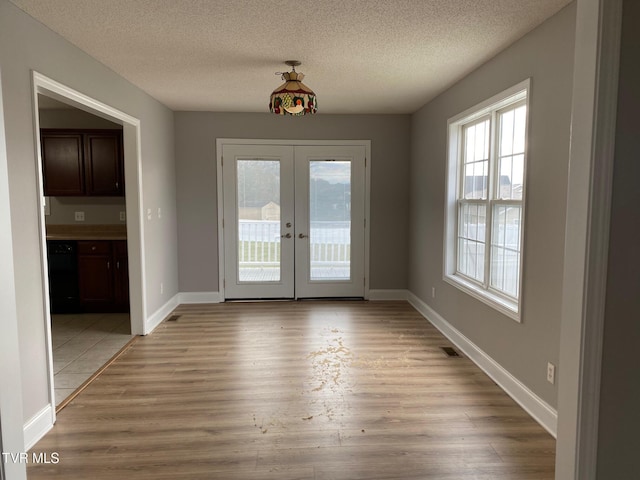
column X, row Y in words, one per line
column 258, row 186
column 330, row 199
column 330, row 220
column 258, row 221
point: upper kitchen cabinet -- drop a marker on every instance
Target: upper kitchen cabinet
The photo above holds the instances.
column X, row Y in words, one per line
column 62, row 161
column 103, row 163
column 82, row 162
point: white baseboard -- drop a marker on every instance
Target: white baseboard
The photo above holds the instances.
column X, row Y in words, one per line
column 159, row 315
column 387, row 295
column 540, row 410
column 37, row 427
column 199, row 297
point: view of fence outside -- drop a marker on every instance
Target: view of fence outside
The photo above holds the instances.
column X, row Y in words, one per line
column 259, row 249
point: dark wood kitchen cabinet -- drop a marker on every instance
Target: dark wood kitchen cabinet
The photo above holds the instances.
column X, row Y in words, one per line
column 103, row 275
column 82, row 162
column 62, row 162
column 121, row 275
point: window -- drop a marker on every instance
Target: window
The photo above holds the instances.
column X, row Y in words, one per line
column 485, row 199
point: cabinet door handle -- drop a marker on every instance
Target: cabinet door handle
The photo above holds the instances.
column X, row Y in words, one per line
column 108, row 265
column 118, row 265
column 117, row 184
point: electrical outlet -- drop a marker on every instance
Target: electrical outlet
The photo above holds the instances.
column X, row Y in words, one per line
column 551, row 373
column 123, row 216
column 79, row 216
column 159, row 212
column 148, row 214
column 433, row 292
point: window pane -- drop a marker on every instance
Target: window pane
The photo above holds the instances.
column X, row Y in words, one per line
column 511, row 179
column 511, row 155
column 258, row 220
column 471, row 240
column 330, row 218
column 505, row 248
column 482, row 141
column 520, row 122
column 476, row 160
column 506, row 133
column 470, row 141
column 471, row 259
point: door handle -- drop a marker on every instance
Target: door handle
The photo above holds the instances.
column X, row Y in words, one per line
column 288, row 235
column 302, row 235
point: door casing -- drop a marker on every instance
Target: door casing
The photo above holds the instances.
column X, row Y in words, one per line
column 220, row 142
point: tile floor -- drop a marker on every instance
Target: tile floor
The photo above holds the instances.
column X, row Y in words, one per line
column 82, row 343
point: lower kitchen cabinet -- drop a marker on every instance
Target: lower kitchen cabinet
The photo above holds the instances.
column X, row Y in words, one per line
column 121, row 275
column 103, row 275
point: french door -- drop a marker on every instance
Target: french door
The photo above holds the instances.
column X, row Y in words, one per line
column 294, row 221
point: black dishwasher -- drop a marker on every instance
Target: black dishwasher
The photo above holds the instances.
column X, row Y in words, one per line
column 63, row 276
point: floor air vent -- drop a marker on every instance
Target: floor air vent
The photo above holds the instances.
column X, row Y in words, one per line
column 450, row 351
column 173, row 318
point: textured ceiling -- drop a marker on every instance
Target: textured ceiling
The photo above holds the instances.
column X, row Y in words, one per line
column 360, row 56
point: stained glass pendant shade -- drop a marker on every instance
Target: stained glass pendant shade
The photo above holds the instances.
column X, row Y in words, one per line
column 293, row 97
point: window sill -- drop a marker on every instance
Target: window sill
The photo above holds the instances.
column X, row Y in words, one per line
column 510, row 309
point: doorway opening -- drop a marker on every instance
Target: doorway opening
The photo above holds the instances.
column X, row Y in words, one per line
column 293, row 219
column 92, row 274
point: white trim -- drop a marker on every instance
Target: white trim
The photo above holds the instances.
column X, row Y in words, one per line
column 159, row 315
column 220, row 188
column 368, row 165
column 285, row 142
column 498, row 101
column 540, row 410
column 593, row 117
column 11, row 406
column 43, row 248
column 38, row 426
column 385, row 295
column 187, row 298
column 510, row 96
column 79, row 100
column 244, row 141
column 485, row 296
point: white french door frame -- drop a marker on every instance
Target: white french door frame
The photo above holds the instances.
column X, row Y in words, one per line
column 220, row 142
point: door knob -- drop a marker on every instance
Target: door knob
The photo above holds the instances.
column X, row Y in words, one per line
column 288, row 224
column 302, row 235
column 288, row 235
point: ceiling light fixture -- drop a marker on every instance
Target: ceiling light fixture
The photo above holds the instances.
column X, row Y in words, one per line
column 293, row 97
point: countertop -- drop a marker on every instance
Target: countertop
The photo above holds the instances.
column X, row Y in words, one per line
column 86, row 232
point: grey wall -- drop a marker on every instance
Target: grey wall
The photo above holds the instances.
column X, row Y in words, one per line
column 546, row 56
column 73, row 118
column 196, row 134
column 27, row 45
column 620, row 388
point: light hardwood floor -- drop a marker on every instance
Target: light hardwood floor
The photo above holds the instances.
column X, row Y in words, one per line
column 295, row 390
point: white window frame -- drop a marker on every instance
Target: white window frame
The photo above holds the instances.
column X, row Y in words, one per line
column 509, row 306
